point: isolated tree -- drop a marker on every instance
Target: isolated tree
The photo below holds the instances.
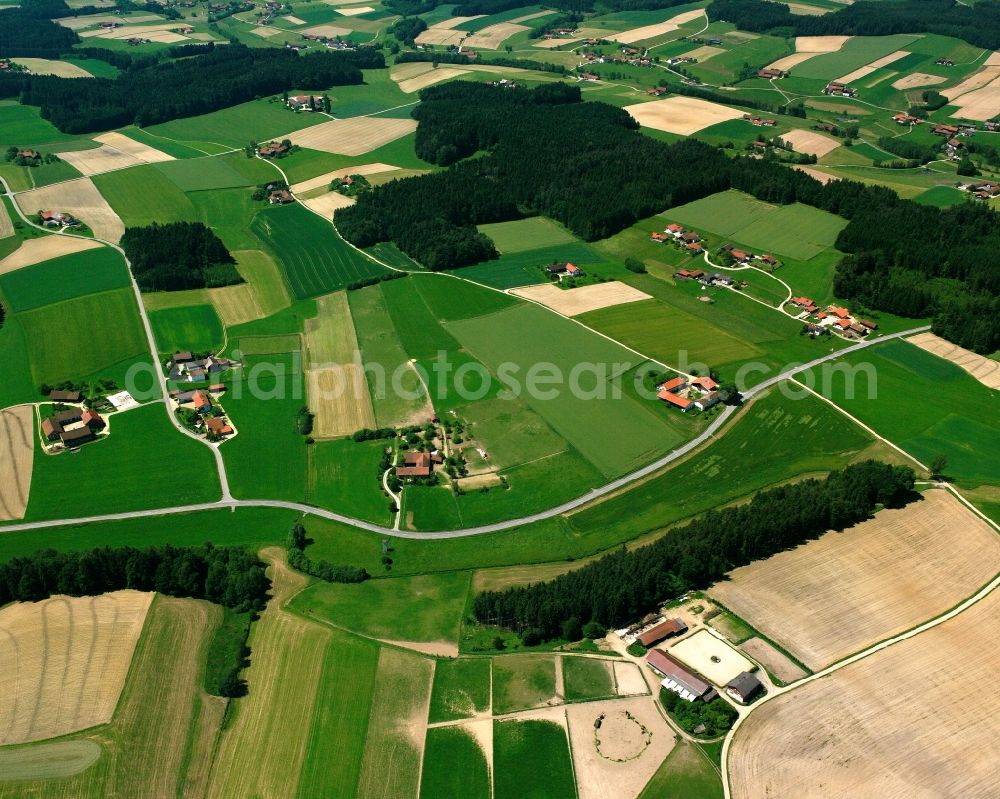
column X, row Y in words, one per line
column 297, row 537
column 938, row 464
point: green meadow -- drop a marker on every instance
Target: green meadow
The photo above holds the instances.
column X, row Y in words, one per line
column 531, row 760
column 315, row 260
column 523, row 268
column 522, row 682
column 687, row 773
column 194, row 327
column 855, row 53
column 532, row 233
column 143, row 463
column 200, row 174
column 587, row 678
column 461, row 689
column 142, row 195
column 76, row 275
column 454, row 766
column 344, row 476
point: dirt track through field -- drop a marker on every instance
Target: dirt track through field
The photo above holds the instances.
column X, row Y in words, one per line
column 353, row 136
column 81, row 198
column 34, row 251
column 914, row 721
column 17, row 454
column 683, row 115
column 65, row 662
column 985, row 370
column 573, row 302
column 844, row 591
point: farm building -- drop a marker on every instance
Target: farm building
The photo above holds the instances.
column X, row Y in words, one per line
column 564, row 270
column 65, row 396
column 272, row 149
column 201, row 402
column 418, row 464
column 57, row 219
column 744, row 687
column 666, row 629
column 678, row 679
column 306, row 102
column 218, row 427
column 279, row 197
column 72, row 427
column 701, row 393
column 769, row 73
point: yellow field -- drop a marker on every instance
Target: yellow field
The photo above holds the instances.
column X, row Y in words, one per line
column 820, row 44
column 903, row 723
column 122, row 143
column 573, row 302
column 773, row 660
column 81, row 198
column 493, row 37
column 683, row 115
column 985, row 370
column 806, row 141
column 353, row 136
column 34, row 251
column 262, row 750
column 651, row 31
column 322, row 181
column 236, row 304
column 337, row 388
column 6, row 225
column 429, row 78
column 17, row 454
column 394, row 748
column 865, row 71
column 328, row 203
column 789, row 61
column 981, row 104
column 61, row 69
column 844, row 591
column 65, row 662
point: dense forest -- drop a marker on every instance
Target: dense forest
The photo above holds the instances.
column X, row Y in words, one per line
column 178, row 256
column 29, row 31
column 228, row 576
column 223, row 77
column 979, row 26
column 542, row 151
column 626, row 585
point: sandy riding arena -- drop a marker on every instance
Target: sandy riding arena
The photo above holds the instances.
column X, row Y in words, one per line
column 573, row 302
column 805, row 141
column 865, row 71
column 81, row 198
column 34, row 251
column 621, row 757
column 17, row 452
column 683, row 115
column 651, row 31
column 711, row 657
column 985, row 370
column 904, row 723
column 61, row 69
column 916, row 80
column 353, row 136
column 65, row 662
column 844, row 591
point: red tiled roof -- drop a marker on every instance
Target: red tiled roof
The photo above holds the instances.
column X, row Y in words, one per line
column 673, row 399
column 661, row 631
column 844, row 323
column 673, row 384
column 705, row 382
column 843, row 313
column 199, row 399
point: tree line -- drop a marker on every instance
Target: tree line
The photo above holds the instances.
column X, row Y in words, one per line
column 625, row 585
column 979, row 26
column 323, row 569
column 219, row 78
column 178, row 256
column 228, row 576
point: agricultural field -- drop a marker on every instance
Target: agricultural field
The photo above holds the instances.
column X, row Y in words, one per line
column 143, row 195
column 17, row 447
column 455, row 764
column 588, row 678
column 194, row 328
column 687, row 773
column 531, row 760
column 63, row 278
column 81, row 198
column 523, row 682
column 527, row 234
column 313, row 258
column 882, row 730
column 461, row 689
column 887, row 574
column 923, row 404
column 343, row 477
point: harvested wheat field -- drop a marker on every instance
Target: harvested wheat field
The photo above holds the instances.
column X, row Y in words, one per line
column 975, row 81
column 34, row 251
column 807, row 11
column 429, row 78
column 552, row 44
column 61, row 69
column 916, row 80
column 291, row 20
column 236, row 304
column 985, row 370
column 820, row 44
column 822, row 177
column 884, row 575
column 982, row 104
column 17, row 453
column 493, row 37
column 683, row 115
column 790, row 61
column 355, row 11
column 573, row 302
column 807, row 141
column 650, row 31
column 324, row 180
column 621, row 757
column 65, row 662
column 772, row 659
column 904, row 723
column 75, row 23
column 82, row 199
column 264, row 32
column 353, row 136
column 705, row 52
column 99, row 160
column 6, row 224
column 442, row 36
column 865, row 71
column 327, row 204
column 337, row 386
column 122, row 143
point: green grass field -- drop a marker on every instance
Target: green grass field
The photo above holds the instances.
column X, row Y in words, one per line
column 17, row 385
column 531, row 761
column 855, row 53
column 23, row 126
column 76, row 275
column 343, row 476
column 268, row 458
column 168, row 146
column 524, row 268
column 259, row 120
column 454, row 766
column 397, row 393
column 142, row 195
column 314, row 258
column 616, row 435
column 587, row 678
column 200, row 174
column 532, row 233
column 57, row 348
column 426, row 608
column 941, row 197
column 419, row 331
column 687, row 773
column 143, row 463
column 195, row 328
column 461, row 689
column 923, row 404
column 521, row 682
column 449, row 299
